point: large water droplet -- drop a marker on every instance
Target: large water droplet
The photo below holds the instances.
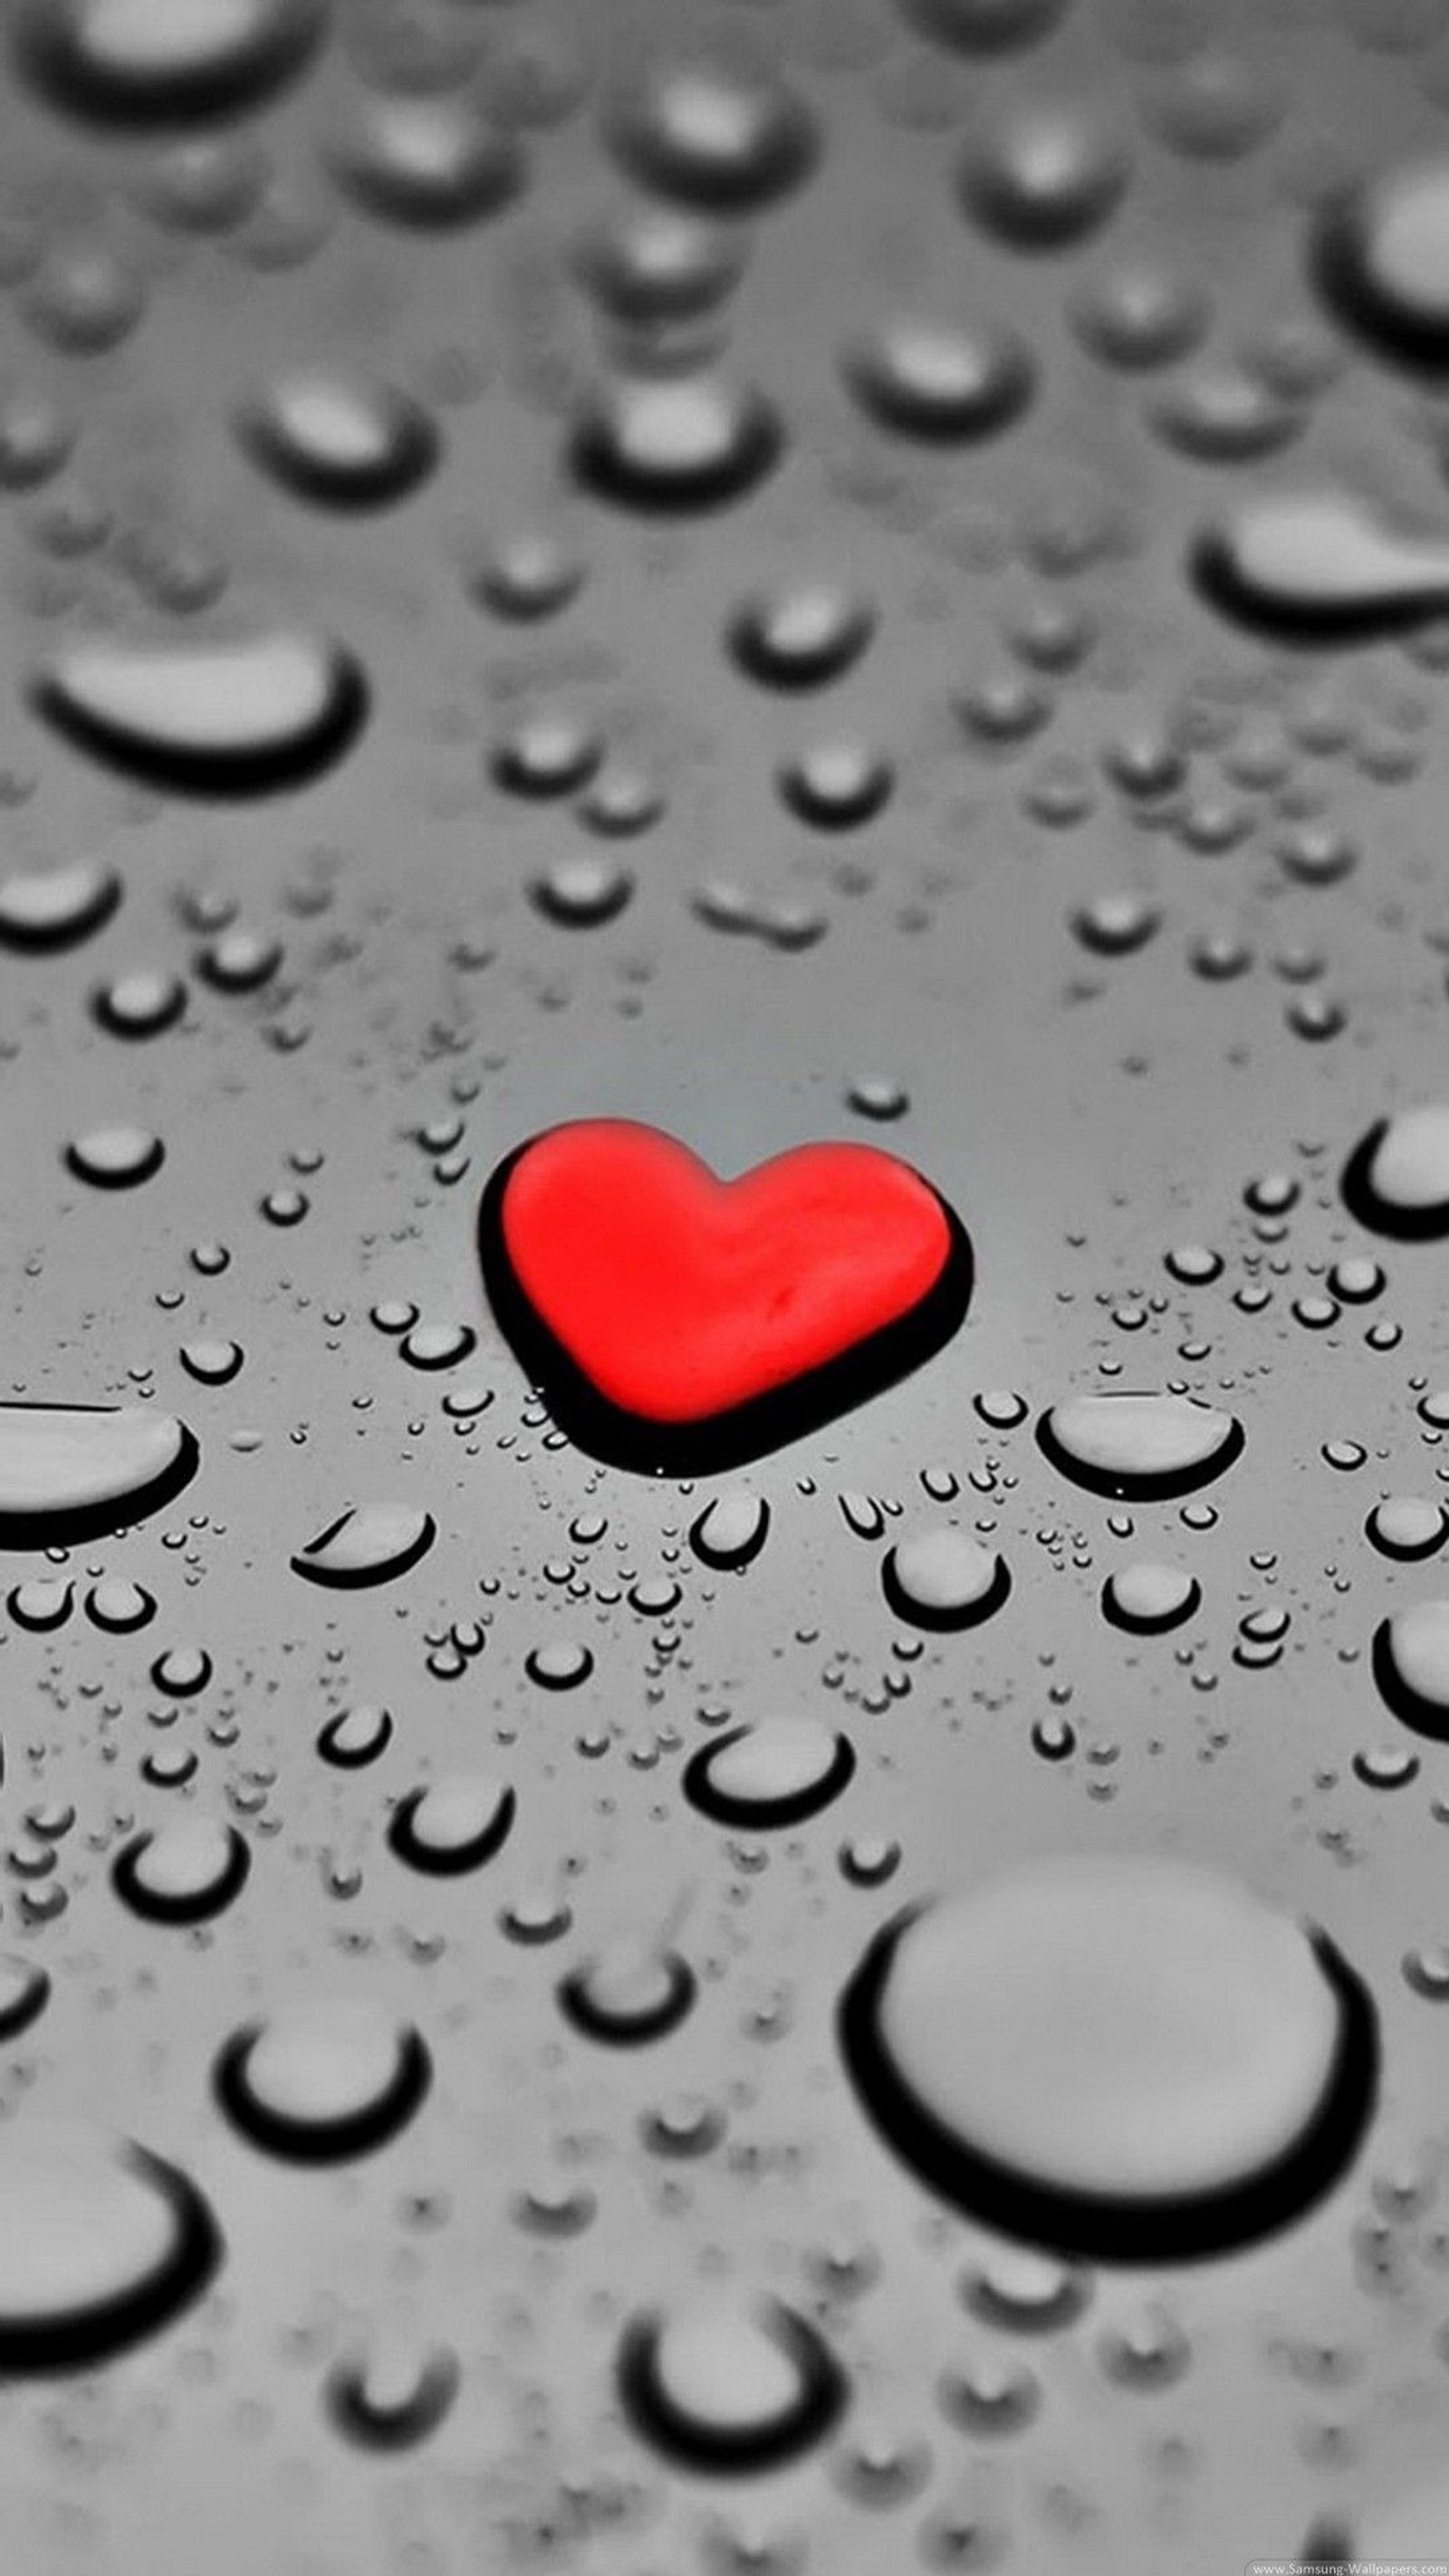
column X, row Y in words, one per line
column 101, row 2244
column 452, row 1825
column 927, row 381
column 730, row 2386
column 165, row 62
column 1411, row 1666
column 74, row 1472
column 1396, row 1180
column 937, row 1577
column 675, row 443
column 323, row 2080
column 368, row 1543
column 771, row 1774
column 1380, row 255
column 1320, row 567
column 1139, row 1447
column 428, row 163
column 711, row 139
column 732, row 1528
column 53, row 908
column 186, row 1873
column 219, row 719
column 1218, row 2060
column 345, row 442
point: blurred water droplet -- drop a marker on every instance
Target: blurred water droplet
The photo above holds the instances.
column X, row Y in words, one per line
column 453, row 1825
column 681, row 443
column 343, row 442
column 735, row 2386
column 186, row 1873
column 101, row 2244
column 769, row 1775
column 320, row 2082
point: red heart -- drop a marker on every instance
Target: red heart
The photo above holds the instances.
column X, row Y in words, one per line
column 675, row 1321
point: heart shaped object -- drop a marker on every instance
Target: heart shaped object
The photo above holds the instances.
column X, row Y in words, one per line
column 680, row 1324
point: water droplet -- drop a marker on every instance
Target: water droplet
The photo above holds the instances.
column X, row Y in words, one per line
column 674, row 443
column 24, row 1994
column 430, row 164
column 986, row 26
column 322, row 2081
column 1025, row 2292
column 801, row 637
column 368, row 1543
column 1411, row 1667
column 356, row 1737
column 930, row 382
column 186, row 1873
column 629, row 1995
column 1113, row 925
column 221, row 719
column 344, row 442
column 1226, row 415
column 85, row 299
column 1379, row 255
column 710, row 139
column 1396, row 1180
column 836, row 785
column 1044, row 181
column 140, row 1005
column 582, row 893
column 115, row 1158
column 1320, row 567
column 561, row 1665
column 732, row 2386
column 452, row 1825
column 119, row 1606
column 212, row 1363
column 937, row 1577
column 53, row 908
column 74, row 1472
column 392, row 2394
column 1149, row 1598
column 528, row 577
column 132, row 62
column 182, row 1671
column 1406, row 1526
column 731, row 1530
column 101, row 2244
column 40, row 1604
column 774, row 1773
column 651, row 268
column 1139, row 1447
column 1219, row 2059
column 1141, row 317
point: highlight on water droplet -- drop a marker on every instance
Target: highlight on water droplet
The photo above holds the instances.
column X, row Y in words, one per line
column 102, row 2243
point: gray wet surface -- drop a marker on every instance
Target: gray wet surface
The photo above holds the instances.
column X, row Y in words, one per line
column 824, row 571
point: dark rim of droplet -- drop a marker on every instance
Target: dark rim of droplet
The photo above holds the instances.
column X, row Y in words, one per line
column 447, row 1860
column 1381, row 1216
column 71, row 1525
column 1422, row 1716
column 717, row 1442
column 413, row 452
column 605, row 469
column 392, row 2428
column 205, row 93
column 1221, row 580
column 34, row 939
column 236, row 772
column 720, row 2449
column 180, row 1905
column 186, row 2268
column 356, row 1578
column 942, row 420
column 354, row 1758
column 27, row 2004
column 729, row 1560
column 1339, row 271
column 316, row 2142
column 1110, row 2227
column 618, row 2027
column 952, row 1614
column 1151, row 1623
column 38, row 1622
column 1131, row 1486
column 763, row 1815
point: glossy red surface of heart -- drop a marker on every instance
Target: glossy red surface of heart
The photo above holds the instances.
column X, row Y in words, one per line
column 679, row 1297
